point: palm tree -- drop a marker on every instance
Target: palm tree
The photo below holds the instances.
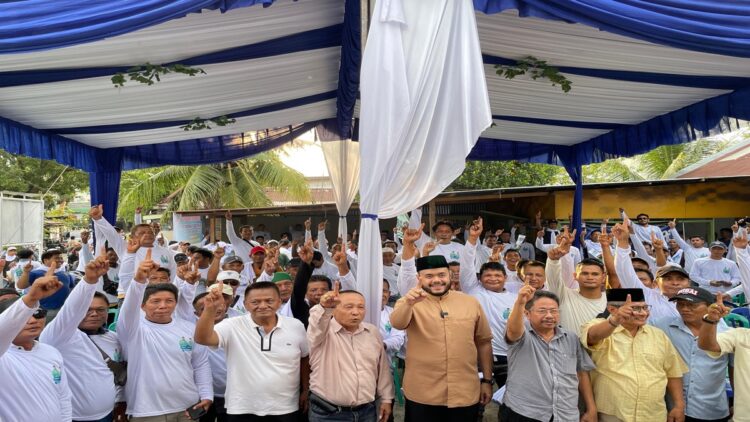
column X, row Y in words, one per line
column 661, row 163
column 236, row 184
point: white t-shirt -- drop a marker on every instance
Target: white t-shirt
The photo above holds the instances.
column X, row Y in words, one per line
column 451, row 251
column 263, row 370
column 167, row 371
column 575, row 310
column 706, row 270
column 643, row 233
column 34, row 382
column 91, row 382
column 390, row 273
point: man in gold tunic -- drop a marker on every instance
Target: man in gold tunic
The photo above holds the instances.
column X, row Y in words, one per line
column 448, row 333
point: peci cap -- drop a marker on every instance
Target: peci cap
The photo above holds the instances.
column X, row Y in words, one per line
column 431, row 262
column 694, row 295
column 279, row 276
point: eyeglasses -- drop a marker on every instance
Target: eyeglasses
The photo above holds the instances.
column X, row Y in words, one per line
column 546, row 311
column 40, row 314
column 100, row 311
column 233, row 283
column 644, row 308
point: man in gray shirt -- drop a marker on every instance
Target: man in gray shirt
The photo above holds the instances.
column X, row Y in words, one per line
column 547, row 366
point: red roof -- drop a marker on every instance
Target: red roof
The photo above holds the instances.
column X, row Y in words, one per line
column 732, row 163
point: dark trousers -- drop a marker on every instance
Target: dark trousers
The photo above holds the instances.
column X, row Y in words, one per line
column 500, row 370
column 217, row 411
column 689, row 419
column 418, row 412
column 289, row 417
column 366, row 413
column 506, row 414
column 107, row 418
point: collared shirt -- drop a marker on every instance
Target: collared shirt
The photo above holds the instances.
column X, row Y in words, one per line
column 443, row 334
column 543, row 377
column 348, row 368
column 703, row 386
column 630, row 379
column 661, row 307
column 737, row 341
column 263, row 369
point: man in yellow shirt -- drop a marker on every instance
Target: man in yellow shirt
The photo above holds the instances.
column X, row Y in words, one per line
column 635, row 363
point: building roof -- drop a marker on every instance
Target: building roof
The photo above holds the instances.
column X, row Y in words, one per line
column 728, row 163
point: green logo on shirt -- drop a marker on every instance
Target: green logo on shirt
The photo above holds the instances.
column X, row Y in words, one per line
column 506, row 313
column 388, row 327
column 454, row 256
column 117, row 356
column 56, row 374
column 726, row 270
column 186, row 345
column 164, row 260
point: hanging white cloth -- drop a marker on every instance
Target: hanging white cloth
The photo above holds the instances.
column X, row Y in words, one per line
column 342, row 160
column 424, row 104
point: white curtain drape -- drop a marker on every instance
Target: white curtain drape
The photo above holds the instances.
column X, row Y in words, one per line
column 424, row 104
column 342, row 160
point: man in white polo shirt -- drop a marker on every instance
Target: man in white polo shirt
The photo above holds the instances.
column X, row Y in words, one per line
column 268, row 370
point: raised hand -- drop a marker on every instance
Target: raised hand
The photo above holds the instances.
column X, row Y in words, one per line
column 605, row 240
column 740, row 242
column 214, row 299
column 193, row 275
column 621, row 234
column 145, row 268
column 96, row 212
column 340, row 258
column 412, row 235
column 428, row 248
column 415, row 295
column 672, row 224
column 134, row 243
column 85, row 236
column 498, row 232
column 525, row 294
column 717, row 310
column 656, row 242
column 624, row 313
column 44, row 287
column 322, row 225
column 475, row 230
column 306, row 252
column 219, row 253
column 308, row 224
column 331, row 299
column 138, row 210
column 228, row 215
column 497, row 250
column 96, row 268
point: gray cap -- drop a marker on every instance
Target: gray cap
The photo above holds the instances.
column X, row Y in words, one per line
column 718, row 244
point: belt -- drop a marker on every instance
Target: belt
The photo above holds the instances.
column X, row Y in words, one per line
column 331, row 407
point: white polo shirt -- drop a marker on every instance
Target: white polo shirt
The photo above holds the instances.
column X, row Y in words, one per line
column 263, row 369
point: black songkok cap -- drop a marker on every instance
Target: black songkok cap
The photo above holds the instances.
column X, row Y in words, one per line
column 621, row 295
column 430, row 262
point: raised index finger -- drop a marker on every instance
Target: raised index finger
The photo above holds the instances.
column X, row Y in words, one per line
column 148, row 254
column 51, row 269
column 627, row 300
column 337, row 288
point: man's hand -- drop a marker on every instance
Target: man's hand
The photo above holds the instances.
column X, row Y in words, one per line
column 656, row 242
column 44, row 287
column 96, row 268
column 306, row 252
column 475, row 230
column 622, row 235
column 740, row 242
column 138, row 210
column 28, row 267
column 624, row 313
column 589, row 417
column 145, row 268
column 672, row 224
column 304, row 401
column 717, row 310
column 497, row 250
column 96, row 212
column 85, row 236
column 677, row 414
column 556, row 253
column 485, row 393
column 134, row 243
column 540, row 234
column 214, row 299
column 525, row 294
column 219, row 253
column 119, row 413
column 605, row 240
column 340, row 258
column 385, row 411
column 415, row 296
column 428, row 248
column 322, row 225
column 308, row 224
column 205, row 404
column 736, row 226
column 228, row 215
column 331, row 299
column 269, row 265
column 193, row 275
column 412, row 235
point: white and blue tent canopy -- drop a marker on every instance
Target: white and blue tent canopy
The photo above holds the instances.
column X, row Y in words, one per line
column 644, row 74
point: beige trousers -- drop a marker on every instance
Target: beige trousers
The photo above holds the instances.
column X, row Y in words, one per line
column 171, row 417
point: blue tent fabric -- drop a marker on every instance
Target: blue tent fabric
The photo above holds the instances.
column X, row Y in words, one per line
column 32, row 25
column 351, row 58
column 719, row 27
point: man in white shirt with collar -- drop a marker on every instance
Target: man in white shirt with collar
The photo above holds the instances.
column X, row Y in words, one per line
column 77, row 332
column 167, row 372
column 268, row 369
column 695, row 250
column 716, row 273
column 34, row 379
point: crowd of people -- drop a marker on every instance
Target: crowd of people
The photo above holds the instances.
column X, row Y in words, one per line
column 628, row 322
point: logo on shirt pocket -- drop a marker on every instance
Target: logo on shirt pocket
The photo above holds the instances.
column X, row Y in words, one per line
column 164, row 260
column 56, row 374
column 186, row 345
column 454, row 256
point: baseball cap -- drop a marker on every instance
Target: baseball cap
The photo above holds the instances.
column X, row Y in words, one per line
column 257, row 249
column 717, row 244
column 388, row 250
column 281, row 276
column 180, row 257
column 671, row 269
column 233, row 258
column 694, row 295
column 12, row 248
column 228, row 275
column 227, row 290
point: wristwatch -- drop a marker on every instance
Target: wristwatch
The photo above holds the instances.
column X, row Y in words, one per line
column 708, row 320
column 489, row 381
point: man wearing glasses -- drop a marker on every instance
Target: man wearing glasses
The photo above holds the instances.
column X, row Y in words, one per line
column 643, row 230
column 635, row 363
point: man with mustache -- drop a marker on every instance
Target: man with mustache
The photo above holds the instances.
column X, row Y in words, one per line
column 447, row 332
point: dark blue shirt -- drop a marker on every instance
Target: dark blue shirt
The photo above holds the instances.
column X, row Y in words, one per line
column 56, row 300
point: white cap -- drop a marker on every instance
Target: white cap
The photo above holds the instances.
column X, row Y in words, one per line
column 228, row 275
column 388, row 250
column 12, row 248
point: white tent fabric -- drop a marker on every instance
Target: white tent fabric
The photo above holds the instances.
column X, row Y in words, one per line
column 342, row 161
column 424, row 103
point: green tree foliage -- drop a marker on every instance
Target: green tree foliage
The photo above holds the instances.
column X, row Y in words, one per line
column 237, row 184
column 505, row 174
column 30, row 175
